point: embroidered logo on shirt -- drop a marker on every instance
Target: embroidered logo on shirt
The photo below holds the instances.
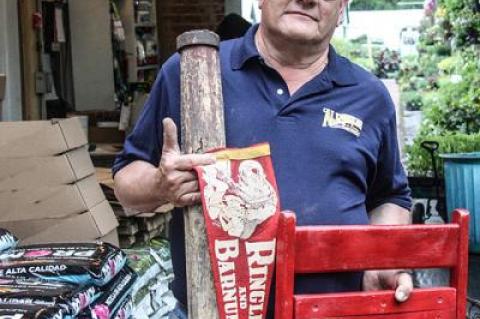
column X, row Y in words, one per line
column 342, row 121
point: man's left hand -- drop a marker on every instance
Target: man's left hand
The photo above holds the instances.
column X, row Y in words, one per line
column 399, row 280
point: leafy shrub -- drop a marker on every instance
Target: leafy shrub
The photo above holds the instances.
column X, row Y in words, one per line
column 374, row 4
column 457, row 106
column 387, row 63
column 354, row 51
column 411, row 100
column 449, row 58
column 419, row 162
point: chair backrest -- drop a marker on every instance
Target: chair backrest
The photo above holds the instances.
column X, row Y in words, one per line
column 321, row 249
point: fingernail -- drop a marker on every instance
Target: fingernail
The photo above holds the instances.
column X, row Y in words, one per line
column 401, row 296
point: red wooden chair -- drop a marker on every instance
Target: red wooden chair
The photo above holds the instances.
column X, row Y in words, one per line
column 320, row 249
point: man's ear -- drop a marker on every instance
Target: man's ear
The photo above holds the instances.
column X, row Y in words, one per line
column 341, row 15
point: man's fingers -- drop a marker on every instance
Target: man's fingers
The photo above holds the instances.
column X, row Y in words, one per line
column 188, row 188
column 170, row 139
column 404, row 286
column 188, row 176
column 188, row 200
column 189, row 161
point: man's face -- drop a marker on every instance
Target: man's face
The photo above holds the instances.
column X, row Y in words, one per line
column 304, row 21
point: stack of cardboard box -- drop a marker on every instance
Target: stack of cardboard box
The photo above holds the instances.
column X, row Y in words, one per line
column 48, row 188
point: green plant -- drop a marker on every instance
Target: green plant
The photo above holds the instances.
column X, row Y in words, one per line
column 354, row 51
column 419, row 162
column 374, row 4
column 411, row 100
column 466, row 27
column 387, row 63
column 457, row 104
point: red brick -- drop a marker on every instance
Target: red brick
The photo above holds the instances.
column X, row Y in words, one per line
column 177, row 16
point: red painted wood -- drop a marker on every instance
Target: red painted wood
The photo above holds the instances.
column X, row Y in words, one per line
column 348, row 248
column 459, row 274
column 339, row 248
column 435, row 314
column 373, row 303
column 285, row 266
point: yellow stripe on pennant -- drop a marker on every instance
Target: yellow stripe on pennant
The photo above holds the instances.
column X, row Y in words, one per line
column 244, row 153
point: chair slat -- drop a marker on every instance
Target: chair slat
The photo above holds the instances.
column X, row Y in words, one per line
column 351, row 248
column 434, row 314
column 340, row 305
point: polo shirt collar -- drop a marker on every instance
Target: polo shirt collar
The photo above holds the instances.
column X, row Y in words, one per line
column 245, row 49
column 339, row 70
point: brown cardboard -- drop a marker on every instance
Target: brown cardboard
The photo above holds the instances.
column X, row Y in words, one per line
column 50, row 201
column 40, row 138
column 31, row 172
column 3, row 80
column 99, row 223
column 111, row 238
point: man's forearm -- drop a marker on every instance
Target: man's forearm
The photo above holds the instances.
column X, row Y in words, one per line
column 135, row 186
column 390, row 214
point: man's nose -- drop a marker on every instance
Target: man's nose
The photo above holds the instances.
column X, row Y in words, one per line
column 307, row 3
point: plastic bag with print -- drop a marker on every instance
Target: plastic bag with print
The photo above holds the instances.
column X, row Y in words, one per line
column 113, row 296
column 81, row 264
column 7, row 240
column 32, row 312
column 33, row 292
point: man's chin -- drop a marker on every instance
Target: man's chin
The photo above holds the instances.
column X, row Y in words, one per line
column 301, row 37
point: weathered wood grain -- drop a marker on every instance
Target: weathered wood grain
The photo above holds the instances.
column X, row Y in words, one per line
column 202, row 128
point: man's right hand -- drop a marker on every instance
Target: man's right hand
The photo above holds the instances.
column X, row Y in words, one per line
column 176, row 179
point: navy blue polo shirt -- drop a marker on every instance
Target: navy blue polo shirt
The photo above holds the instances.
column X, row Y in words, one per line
column 333, row 142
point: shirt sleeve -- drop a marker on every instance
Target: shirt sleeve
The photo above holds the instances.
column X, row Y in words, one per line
column 390, row 184
column 146, row 140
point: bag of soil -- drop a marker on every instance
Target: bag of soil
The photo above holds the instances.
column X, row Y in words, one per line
column 31, row 292
column 80, row 264
column 28, row 312
column 113, row 296
column 125, row 310
column 7, row 240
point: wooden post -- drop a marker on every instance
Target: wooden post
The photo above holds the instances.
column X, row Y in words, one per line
column 202, row 128
column 3, row 80
column 30, row 60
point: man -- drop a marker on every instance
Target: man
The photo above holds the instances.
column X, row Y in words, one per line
column 330, row 124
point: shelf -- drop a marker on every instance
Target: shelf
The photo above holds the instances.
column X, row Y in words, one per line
column 145, row 25
column 147, row 67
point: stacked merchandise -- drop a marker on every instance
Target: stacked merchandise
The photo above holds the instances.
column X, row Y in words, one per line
column 56, row 281
column 136, row 228
column 152, row 297
column 48, row 189
column 149, row 258
column 140, row 229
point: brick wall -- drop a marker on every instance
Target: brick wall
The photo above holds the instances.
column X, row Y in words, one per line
column 177, row 16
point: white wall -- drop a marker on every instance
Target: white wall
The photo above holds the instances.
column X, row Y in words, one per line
column 10, row 60
column 250, row 11
column 92, row 54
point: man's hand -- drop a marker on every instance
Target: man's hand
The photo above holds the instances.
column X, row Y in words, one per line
column 144, row 187
column 177, row 182
column 399, row 280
